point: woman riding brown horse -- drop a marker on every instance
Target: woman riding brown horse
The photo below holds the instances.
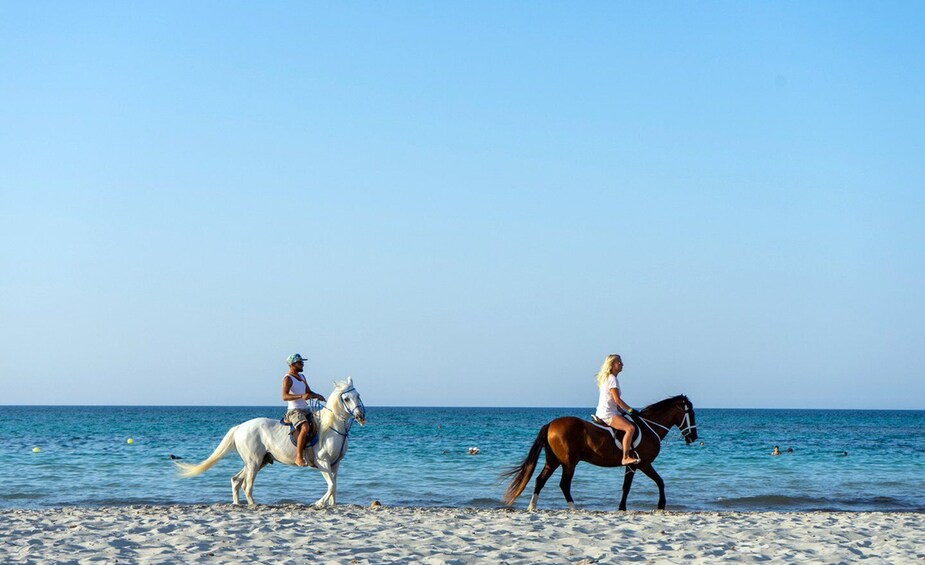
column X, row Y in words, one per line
column 611, row 408
column 569, row 440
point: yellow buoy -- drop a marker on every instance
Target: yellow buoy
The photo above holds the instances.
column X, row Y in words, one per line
column 35, row 450
column 130, row 441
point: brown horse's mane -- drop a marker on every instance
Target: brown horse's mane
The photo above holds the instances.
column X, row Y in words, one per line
column 662, row 404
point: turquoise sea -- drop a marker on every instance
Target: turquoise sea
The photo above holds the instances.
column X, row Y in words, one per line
column 418, row 457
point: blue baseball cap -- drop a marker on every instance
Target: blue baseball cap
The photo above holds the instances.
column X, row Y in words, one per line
column 295, row 358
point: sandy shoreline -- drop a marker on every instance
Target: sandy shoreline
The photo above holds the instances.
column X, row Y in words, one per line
column 354, row 534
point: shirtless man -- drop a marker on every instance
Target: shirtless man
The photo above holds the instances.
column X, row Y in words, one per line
column 295, row 393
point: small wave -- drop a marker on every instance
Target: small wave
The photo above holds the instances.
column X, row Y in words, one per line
column 128, row 501
column 22, row 496
column 485, row 503
column 776, row 502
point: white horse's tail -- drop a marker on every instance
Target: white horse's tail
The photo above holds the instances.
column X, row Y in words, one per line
column 189, row 470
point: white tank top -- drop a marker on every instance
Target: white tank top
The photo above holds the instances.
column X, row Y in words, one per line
column 297, row 387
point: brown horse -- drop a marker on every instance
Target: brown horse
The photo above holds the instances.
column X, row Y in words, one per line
column 569, row 440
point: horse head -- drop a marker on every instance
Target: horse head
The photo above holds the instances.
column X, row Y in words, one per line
column 350, row 400
column 686, row 421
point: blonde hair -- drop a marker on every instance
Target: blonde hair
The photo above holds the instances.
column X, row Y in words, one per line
column 604, row 371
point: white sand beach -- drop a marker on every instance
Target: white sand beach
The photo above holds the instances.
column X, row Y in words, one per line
column 354, row 534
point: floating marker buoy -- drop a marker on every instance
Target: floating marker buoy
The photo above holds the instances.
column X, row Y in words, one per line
column 36, row 450
column 130, row 441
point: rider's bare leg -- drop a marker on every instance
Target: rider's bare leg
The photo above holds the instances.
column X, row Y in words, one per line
column 300, row 445
column 620, row 423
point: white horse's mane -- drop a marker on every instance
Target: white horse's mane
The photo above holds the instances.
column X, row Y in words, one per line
column 326, row 417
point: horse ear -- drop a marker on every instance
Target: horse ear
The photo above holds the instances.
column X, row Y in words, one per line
column 349, row 380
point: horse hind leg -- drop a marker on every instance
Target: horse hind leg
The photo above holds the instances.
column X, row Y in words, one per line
column 250, row 473
column 541, row 479
column 240, row 479
column 237, row 481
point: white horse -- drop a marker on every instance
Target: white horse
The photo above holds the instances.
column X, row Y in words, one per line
column 262, row 441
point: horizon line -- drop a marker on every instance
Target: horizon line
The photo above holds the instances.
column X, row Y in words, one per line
column 436, row 406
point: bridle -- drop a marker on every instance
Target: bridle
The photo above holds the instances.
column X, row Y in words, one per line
column 685, row 426
column 347, row 422
column 349, row 418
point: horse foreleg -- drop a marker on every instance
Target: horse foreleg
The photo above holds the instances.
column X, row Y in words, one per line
column 650, row 472
column 566, row 485
column 627, row 483
column 334, row 484
column 330, row 477
column 541, row 479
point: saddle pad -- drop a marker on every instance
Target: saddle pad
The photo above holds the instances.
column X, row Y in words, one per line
column 637, row 436
column 311, row 440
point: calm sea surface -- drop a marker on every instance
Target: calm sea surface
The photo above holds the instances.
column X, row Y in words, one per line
column 418, row 457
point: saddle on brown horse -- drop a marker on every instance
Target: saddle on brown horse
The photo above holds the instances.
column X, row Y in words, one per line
column 617, row 434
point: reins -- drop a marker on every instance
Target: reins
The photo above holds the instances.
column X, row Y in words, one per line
column 685, row 425
column 647, row 422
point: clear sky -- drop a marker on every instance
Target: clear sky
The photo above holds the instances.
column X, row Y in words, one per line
column 464, row 203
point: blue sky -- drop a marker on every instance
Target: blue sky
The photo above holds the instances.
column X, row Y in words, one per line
column 463, row 204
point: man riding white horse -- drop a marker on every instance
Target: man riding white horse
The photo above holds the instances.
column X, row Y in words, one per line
column 262, row 441
column 295, row 393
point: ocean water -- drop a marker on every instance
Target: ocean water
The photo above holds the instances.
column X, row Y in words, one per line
column 418, row 457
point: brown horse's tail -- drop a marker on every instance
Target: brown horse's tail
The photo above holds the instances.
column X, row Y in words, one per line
column 521, row 474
